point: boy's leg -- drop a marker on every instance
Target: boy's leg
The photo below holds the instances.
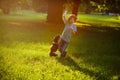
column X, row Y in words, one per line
column 63, row 54
column 62, row 47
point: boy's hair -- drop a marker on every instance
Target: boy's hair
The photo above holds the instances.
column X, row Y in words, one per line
column 72, row 16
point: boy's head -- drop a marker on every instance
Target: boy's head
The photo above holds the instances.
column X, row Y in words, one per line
column 72, row 18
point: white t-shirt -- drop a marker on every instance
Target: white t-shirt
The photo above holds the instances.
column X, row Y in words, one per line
column 67, row 32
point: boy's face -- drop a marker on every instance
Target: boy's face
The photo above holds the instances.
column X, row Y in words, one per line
column 72, row 20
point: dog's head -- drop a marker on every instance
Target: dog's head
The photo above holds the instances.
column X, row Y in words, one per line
column 56, row 38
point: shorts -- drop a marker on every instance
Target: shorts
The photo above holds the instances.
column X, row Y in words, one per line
column 62, row 46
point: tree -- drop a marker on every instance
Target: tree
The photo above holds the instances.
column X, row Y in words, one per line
column 5, row 6
column 76, row 4
column 39, row 5
column 113, row 6
column 109, row 5
column 55, row 10
column 8, row 5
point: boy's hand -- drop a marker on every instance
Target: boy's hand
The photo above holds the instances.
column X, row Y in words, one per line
column 74, row 30
column 68, row 7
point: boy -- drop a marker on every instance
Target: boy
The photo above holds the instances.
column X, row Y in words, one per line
column 67, row 32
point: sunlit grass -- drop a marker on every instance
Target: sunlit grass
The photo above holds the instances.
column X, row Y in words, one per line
column 93, row 19
column 100, row 20
column 31, row 61
column 93, row 53
column 24, row 15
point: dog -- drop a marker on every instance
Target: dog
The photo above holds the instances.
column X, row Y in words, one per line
column 54, row 46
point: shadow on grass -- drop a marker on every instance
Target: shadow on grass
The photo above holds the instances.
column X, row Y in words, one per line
column 96, row 46
column 93, row 40
column 102, row 40
column 27, row 31
column 68, row 61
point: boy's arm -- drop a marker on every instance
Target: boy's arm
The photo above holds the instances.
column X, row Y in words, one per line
column 74, row 32
column 68, row 7
column 74, row 29
column 64, row 16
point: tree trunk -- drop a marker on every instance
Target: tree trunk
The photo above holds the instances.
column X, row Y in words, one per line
column 76, row 6
column 88, row 8
column 55, row 10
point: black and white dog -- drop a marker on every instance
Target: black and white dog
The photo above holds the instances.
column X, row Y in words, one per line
column 54, row 46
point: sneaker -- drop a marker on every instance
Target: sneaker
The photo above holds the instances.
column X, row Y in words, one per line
column 53, row 54
column 63, row 54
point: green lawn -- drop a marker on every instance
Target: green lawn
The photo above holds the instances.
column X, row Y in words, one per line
column 93, row 19
column 100, row 20
column 93, row 53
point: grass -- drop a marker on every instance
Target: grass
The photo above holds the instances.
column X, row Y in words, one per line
column 93, row 53
column 84, row 19
column 101, row 20
column 23, row 15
